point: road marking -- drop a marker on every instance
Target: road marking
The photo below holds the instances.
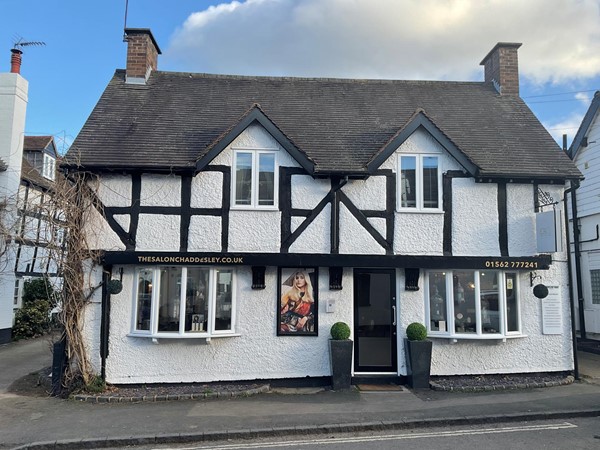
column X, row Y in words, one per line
column 388, row 437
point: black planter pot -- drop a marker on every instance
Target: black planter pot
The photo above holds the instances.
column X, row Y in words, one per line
column 340, row 353
column 418, row 362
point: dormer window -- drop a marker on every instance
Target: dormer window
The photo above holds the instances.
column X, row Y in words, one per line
column 255, row 178
column 49, row 167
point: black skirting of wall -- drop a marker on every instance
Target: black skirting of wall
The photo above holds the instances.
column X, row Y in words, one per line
column 5, row 335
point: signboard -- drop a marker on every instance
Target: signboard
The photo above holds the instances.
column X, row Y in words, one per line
column 552, row 312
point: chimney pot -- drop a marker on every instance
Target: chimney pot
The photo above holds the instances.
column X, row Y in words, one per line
column 142, row 54
column 15, row 60
column 501, row 67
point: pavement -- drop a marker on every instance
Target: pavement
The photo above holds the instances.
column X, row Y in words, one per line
column 50, row 423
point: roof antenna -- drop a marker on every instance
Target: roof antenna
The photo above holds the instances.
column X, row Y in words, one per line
column 125, row 24
column 15, row 59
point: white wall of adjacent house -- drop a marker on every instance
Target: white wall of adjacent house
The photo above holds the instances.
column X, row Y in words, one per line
column 255, row 351
column 13, row 107
column 587, row 160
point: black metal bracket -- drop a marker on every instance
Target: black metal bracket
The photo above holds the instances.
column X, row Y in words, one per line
column 335, row 278
column 411, row 282
column 258, row 277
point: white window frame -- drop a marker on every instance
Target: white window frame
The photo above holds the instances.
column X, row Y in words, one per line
column 502, row 307
column 49, row 167
column 419, row 183
column 210, row 332
column 256, row 152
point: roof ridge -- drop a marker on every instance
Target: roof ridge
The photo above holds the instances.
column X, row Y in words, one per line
column 299, row 78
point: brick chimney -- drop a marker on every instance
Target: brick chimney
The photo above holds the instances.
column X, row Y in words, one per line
column 502, row 67
column 15, row 60
column 142, row 54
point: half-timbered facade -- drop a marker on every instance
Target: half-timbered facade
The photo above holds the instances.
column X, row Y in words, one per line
column 246, row 215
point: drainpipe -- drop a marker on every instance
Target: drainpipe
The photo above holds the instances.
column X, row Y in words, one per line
column 576, row 233
column 571, row 296
column 105, row 319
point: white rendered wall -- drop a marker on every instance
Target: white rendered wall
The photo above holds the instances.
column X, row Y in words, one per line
column 367, row 194
column 158, row 232
column 254, row 231
column 160, row 190
column 204, row 234
column 520, row 220
column 207, row 190
column 307, row 191
column 316, row 237
column 475, row 224
column 257, row 354
column 13, row 107
column 354, row 238
column 114, row 190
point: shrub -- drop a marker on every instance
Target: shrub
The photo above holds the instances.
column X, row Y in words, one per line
column 340, row 331
column 96, row 385
column 416, row 332
column 32, row 320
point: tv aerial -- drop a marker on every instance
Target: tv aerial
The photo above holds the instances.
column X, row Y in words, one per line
column 20, row 43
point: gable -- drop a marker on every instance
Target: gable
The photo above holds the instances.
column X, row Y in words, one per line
column 254, row 117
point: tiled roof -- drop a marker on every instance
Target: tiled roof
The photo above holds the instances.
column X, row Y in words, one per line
column 340, row 124
column 32, row 175
column 36, row 142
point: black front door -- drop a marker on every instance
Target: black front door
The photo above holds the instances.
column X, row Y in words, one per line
column 375, row 320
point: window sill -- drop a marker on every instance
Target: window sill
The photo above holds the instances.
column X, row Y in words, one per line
column 454, row 338
column 156, row 338
column 419, row 211
column 254, row 208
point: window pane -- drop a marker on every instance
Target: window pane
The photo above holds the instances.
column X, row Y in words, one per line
column 595, row 279
column 437, row 301
column 144, row 300
column 512, row 306
column 243, row 178
column 266, row 179
column 169, row 299
column 223, row 302
column 464, row 302
column 408, row 174
column 490, row 306
column 196, row 304
column 430, row 182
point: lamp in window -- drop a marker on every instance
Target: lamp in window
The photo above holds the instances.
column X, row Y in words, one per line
column 437, row 304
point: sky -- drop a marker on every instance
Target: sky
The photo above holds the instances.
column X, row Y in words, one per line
column 559, row 61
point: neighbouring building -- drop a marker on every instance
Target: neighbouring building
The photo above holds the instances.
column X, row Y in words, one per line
column 245, row 215
column 13, row 107
column 585, row 152
column 27, row 173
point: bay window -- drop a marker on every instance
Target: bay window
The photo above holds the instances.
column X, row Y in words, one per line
column 255, row 179
column 184, row 302
column 472, row 303
column 419, row 182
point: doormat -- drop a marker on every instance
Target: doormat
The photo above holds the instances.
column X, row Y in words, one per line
column 379, row 387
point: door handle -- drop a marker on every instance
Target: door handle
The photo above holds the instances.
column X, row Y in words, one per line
column 394, row 313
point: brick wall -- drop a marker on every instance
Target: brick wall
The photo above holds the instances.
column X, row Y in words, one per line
column 502, row 67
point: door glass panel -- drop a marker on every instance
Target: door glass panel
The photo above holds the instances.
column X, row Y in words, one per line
column 374, row 320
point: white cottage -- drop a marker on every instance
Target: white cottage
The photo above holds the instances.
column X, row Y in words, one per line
column 585, row 152
column 246, row 215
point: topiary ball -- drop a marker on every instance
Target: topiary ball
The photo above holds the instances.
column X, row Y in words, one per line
column 416, row 332
column 114, row 287
column 340, row 331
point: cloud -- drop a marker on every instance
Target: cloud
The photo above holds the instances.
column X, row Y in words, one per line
column 402, row 39
column 568, row 126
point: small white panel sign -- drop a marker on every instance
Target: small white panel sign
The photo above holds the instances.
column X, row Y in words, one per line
column 546, row 232
column 552, row 312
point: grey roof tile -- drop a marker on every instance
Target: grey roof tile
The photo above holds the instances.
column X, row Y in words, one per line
column 340, row 124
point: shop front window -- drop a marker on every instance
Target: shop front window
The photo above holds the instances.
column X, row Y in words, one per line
column 472, row 303
column 184, row 302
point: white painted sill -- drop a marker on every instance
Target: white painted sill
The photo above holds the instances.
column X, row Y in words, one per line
column 419, row 211
column 203, row 338
column 454, row 338
column 253, row 208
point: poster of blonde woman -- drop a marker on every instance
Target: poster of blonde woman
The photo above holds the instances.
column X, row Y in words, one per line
column 297, row 307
